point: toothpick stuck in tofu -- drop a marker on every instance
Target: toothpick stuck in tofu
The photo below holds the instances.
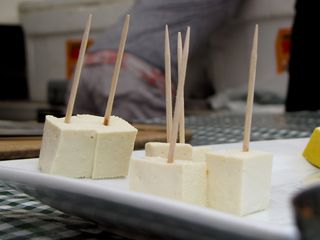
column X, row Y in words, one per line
column 182, row 138
column 77, row 73
column 252, row 78
column 177, row 109
column 116, row 71
column 167, row 57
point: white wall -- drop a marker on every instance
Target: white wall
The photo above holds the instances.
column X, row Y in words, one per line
column 9, row 11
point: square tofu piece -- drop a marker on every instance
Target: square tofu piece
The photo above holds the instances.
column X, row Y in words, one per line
column 181, row 180
column 312, row 150
column 160, row 149
column 199, row 153
column 67, row 148
column 85, row 148
column 239, row 182
column 114, row 146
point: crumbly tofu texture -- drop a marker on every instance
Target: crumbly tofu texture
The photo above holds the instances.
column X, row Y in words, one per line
column 239, row 182
column 160, row 149
column 181, row 180
column 312, row 150
column 85, row 148
column 67, row 149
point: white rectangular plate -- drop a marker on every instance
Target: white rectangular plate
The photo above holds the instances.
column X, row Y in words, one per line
column 110, row 203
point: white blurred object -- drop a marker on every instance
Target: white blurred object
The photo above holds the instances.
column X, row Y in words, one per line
column 234, row 100
column 49, row 24
column 230, row 53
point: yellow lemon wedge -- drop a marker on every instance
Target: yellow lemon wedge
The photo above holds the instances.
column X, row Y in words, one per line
column 312, row 150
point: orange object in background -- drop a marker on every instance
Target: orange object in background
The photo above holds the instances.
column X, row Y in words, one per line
column 72, row 53
column 283, row 46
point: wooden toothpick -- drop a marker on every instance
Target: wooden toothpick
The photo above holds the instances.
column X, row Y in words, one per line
column 116, row 71
column 181, row 123
column 77, row 73
column 177, row 109
column 167, row 57
column 252, row 77
column 179, row 51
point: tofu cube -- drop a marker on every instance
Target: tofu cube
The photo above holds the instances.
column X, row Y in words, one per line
column 67, row 149
column 239, row 182
column 181, row 180
column 160, row 149
column 114, row 146
column 312, row 150
column 85, row 148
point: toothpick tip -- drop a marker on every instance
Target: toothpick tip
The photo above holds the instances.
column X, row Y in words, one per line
column 188, row 30
column 127, row 19
column 89, row 17
column 256, row 29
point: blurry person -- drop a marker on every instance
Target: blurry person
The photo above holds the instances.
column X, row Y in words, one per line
column 303, row 86
column 140, row 90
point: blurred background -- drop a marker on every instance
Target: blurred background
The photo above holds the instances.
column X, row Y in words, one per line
column 41, row 38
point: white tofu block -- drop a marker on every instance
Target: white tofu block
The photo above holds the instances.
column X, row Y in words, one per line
column 67, row 149
column 181, row 180
column 199, row 153
column 160, row 149
column 239, row 182
column 85, row 148
column 114, row 146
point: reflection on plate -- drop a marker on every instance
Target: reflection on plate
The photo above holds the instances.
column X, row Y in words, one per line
column 110, row 203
